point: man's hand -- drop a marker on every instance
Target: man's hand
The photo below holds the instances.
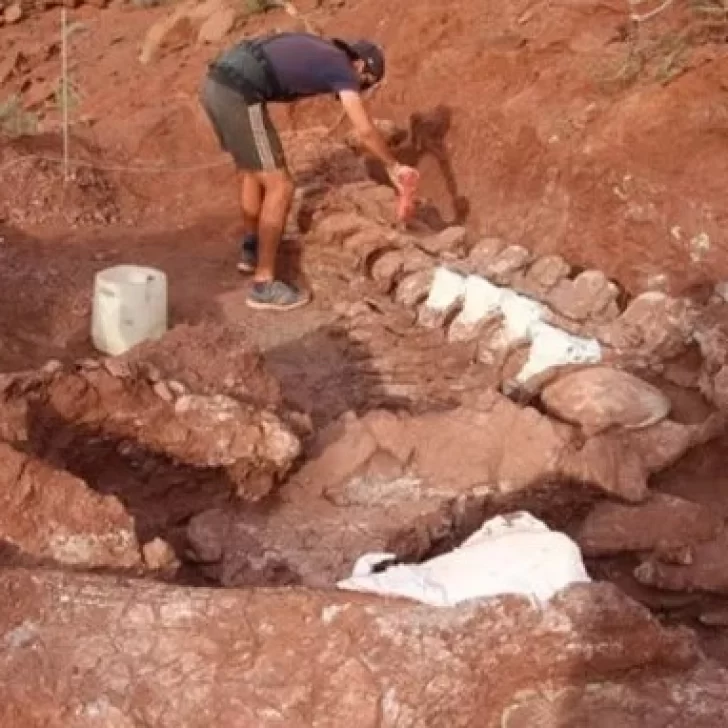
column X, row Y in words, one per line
column 404, row 178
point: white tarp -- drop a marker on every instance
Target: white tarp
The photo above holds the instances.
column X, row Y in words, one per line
column 523, row 320
column 514, row 554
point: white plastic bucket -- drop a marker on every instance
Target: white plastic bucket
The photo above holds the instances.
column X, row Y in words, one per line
column 129, row 306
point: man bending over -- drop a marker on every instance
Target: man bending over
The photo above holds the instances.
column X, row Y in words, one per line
column 282, row 68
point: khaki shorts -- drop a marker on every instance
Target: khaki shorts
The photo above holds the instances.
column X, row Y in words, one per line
column 244, row 130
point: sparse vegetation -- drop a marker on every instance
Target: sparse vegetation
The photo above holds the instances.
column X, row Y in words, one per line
column 72, row 98
column 15, row 121
column 659, row 40
column 258, row 6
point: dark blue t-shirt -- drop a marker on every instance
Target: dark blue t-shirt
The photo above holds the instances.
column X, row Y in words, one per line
column 307, row 65
column 304, row 65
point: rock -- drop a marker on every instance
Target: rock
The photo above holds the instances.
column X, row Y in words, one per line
column 715, row 618
column 13, row 13
column 386, row 269
column 718, row 392
column 546, row 272
column 663, row 444
column 413, row 289
column 415, row 260
column 445, row 297
column 600, row 398
column 240, row 432
column 375, row 202
column 206, row 534
column 711, row 335
column 177, row 388
column 482, row 255
column 158, row 555
column 50, row 514
column 117, row 368
column 494, row 347
column 509, row 261
column 704, row 569
column 52, row 366
column 508, row 449
column 89, row 364
column 217, row 26
column 647, row 700
column 654, row 327
column 314, row 542
column 721, row 290
column 301, row 423
column 486, row 312
column 476, row 659
column 250, row 445
column 365, row 243
column 162, row 390
column 588, row 295
column 334, row 229
column 485, row 329
column 663, row 521
column 684, row 370
column 345, row 447
column 610, row 464
column 450, row 241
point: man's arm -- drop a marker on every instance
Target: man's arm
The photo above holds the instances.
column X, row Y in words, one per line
column 366, row 131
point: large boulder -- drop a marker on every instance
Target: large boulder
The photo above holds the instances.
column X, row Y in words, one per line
column 600, row 398
column 495, row 448
column 653, row 327
column 195, row 657
column 664, row 521
column 65, row 410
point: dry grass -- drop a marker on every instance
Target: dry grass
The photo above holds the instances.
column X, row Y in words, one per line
column 15, row 121
column 659, row 39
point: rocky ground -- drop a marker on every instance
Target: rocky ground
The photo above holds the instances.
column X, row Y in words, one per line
column 174, row 520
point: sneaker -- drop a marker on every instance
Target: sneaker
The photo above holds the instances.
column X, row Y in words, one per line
column 248, row 257
column 276, row 296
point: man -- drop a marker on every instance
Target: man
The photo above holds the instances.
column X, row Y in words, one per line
column 281, row 68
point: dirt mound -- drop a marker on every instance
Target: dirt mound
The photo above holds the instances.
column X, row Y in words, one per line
column 35, row 191
column 183, row 354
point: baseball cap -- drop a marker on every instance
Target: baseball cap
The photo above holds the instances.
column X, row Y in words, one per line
column 372, row 56
column 369, row 52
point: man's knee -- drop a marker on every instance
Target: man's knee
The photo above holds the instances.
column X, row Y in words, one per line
column 277, row 183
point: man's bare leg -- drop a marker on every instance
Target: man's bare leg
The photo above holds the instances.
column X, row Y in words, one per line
column 251, row 201
column 277, row 198
column 268, row 292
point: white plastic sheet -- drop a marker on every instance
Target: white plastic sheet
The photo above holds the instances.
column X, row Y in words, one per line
column 514, row 554
column 523, row 318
